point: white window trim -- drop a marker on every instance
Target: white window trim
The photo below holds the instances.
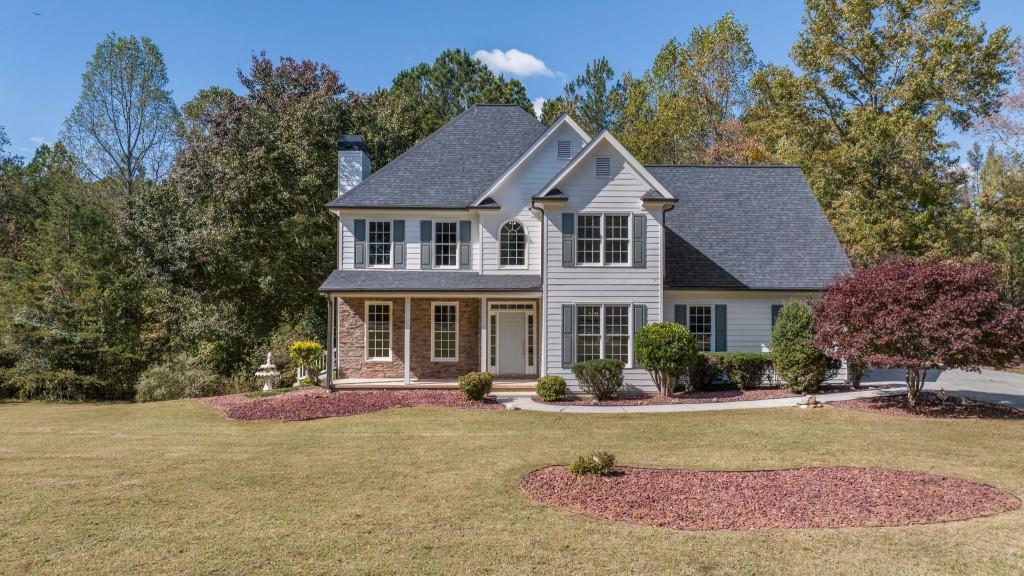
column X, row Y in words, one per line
column 493, row 308
column 713, row 306
column 526, row 247
column 602, row 335
column 433, row 243
column 391, row 244
column 601, row 236
column 433, row 332
column 366, row 331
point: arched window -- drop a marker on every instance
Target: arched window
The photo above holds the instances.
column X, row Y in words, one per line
column 513, row 244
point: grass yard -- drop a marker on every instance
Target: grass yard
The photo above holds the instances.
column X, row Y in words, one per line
column 174, row 488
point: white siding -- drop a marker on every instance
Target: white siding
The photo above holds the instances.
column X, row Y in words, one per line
column 748, row 316
column 601, row 284
column 412, row 234
column 514, row 197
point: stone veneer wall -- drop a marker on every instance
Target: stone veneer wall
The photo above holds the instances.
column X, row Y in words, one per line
column 352, row 361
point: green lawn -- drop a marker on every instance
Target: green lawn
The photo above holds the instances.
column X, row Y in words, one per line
column 174, row 488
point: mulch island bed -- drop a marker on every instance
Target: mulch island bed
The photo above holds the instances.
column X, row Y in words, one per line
column 694, row 397
column 802, row 498
column 320, row 403
column 930, row 405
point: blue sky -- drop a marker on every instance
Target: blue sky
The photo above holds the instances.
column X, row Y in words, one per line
column 368, row 41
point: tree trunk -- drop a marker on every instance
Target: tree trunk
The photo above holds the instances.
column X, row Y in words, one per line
column 915, row 384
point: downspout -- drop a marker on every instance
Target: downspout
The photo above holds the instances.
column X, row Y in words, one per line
column 664, row 227
column 542, row 313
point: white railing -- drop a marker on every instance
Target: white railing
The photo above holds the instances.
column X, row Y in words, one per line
column 321, row 368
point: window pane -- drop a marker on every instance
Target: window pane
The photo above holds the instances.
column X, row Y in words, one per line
column 379, row 243
column 446, row 243
column 445, row 318
column 616, row 329
column 588, row 239
column 513, row 244
column 616, row 244
column 588, row 333
column 700, row 325
column 493, row 336
column 378, row 331
column 529, row 339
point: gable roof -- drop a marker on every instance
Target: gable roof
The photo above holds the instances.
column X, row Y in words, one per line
column 746, row 227
column 454, row 165
column 563, row 119
column 604, row 136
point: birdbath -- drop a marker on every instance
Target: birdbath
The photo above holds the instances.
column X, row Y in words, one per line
column 268, row 373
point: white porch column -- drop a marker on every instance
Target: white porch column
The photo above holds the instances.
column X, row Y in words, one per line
column 408, row 336
column 332, row 328
column 484, row 349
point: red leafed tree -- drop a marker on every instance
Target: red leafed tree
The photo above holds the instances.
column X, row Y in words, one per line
column 919, row 315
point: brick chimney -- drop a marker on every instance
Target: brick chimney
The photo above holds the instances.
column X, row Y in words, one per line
column 353, row 163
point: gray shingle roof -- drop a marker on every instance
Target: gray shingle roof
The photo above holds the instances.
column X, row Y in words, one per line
column 453, row 166
column 746, row 227
column 425, row 281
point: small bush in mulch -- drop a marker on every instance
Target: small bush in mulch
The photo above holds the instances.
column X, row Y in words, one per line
column 320, row 403
column 476, row 386
column 551, row 388
column 601, row 378
column 597, row 464
column 931, row 405
column 802, row 498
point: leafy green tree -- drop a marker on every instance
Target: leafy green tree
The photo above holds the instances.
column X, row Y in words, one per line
column 794, row 358
column 667, row 350
column 688, row 107
column 125, row 124
column 435, row 93
column 593, row 99
column 879, row 81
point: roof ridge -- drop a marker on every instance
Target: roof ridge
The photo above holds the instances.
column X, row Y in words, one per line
column 722, row 165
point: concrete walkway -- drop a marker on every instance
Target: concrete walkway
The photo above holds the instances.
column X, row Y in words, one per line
column 989, row 386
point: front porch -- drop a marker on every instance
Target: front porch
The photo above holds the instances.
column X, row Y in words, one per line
column 429, row 340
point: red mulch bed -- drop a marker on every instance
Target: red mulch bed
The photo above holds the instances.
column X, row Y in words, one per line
column 694, row 397
column 802, row 498
column 929, row 405
column 320, row 403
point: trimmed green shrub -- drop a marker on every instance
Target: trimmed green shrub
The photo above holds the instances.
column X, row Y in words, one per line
column 745, row 370
column 476, row 385
column 667, row 351
column 599, row 463
column 600, row 378
column 704, row 373
column 800, row 365
column 306, row 353
column 551, row 388
column 57, row 385
column 182, row 377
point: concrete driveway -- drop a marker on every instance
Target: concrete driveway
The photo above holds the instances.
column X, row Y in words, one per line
column 987, row 385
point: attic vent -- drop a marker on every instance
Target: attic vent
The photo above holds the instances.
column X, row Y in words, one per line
column 604, row 167
column 564, row 149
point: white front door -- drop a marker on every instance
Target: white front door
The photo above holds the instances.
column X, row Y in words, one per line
column 512, row 342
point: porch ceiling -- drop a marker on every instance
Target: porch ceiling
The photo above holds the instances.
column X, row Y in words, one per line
column 426, row 281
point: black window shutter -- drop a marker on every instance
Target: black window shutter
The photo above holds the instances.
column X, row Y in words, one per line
column 465, row 244
column 359, row 231
column 568, row 334
column 639, row 317
column 398, row 237
column 426, row 241
column 639, row 241
column 681, row 315
column 776, row 308
column 721, row 337
column 568, row 240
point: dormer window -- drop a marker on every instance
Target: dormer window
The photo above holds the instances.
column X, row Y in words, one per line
column 512, row 240
column 564, row 149
column 604, row 167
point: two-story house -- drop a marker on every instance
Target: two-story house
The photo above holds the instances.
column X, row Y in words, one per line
column 503, row 245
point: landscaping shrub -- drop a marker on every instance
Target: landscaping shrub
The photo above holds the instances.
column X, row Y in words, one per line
column 667, row 351
column 182, row 377
column 745, row 370
column 800, row 365
column 600, row 378
column 704, row 372
column 306, row 353
column 551, row 388
column 599, row 463
column 476, row 385
column 57, row 385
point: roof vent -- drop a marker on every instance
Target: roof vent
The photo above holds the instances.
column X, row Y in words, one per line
column 564, row 149
column 604, row 167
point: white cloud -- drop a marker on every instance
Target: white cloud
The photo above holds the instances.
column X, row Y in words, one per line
column 538, row 105
column 514, row 62
column 37, row 140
